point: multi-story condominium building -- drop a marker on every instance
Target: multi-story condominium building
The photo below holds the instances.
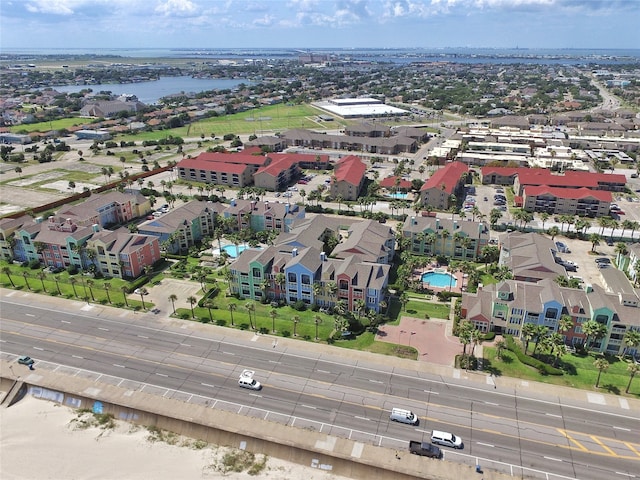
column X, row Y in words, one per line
column 521, row 178
column 530, row 257
column 440, row 190
column 106, row 209
column 123, row 254
column 66, row 239
column 297, row 267
column 219, row 173
column 567, row 201
column 184, row 226
column 457, row 239
column 507, row 306
column 60, row 242
column 348, row 178
column 278, row 175
column 261, row 216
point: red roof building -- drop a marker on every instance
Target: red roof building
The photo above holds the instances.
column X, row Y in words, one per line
column 445, row 182
column 390, row 182
column 220, row 173
column 348, row 178
column 567, row 201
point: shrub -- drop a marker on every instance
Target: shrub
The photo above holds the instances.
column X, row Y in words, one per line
column 286, row 333
column 34, row 264
column 220, row 322
column 264, row 330
column 72, row 269
column 542, row 367
column 300, row 306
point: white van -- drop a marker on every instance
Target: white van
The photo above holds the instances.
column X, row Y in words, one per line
column 247, row 381
column 446, row 439
column 403, row 416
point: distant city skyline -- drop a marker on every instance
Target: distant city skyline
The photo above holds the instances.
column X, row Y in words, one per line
column 93, row 24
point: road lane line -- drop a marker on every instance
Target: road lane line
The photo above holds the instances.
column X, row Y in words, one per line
column 309, row 406
column 208, row 385
column 142, row 336
column 103, row 329
column 375, row 381
column 622, row 428
column 29, row 314
column 162, row 374
column 487, row 444
column 361, row 418
column 553, row 415
column 323, row 371
column 554, row 459
column 39, row 348
column 632, row 448
column 118, row 365
column 64, row 321
column 597, row 440
column 572, row 440
column 78, row 356
column 630, row 475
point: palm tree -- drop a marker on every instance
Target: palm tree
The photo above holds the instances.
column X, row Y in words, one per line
column 317, row 319
column 295, row 319
column 273, row 314
column 632, row 368
column 601, row 364
column 90, row 284
column 591, row 329
column 594, row 238
column 565, row 324
column 7, row 272
column 124, row 289
column 41, row 275
column 172, row 298
column 143, row 291
column 500, row 346
column 631, row 339
column 192, row 301
column 528, row 332
column 56, row 278
column 553, row 231
column 209, row 305
column 465, row 332
column 250, row 308
column 26, row 276
column 232, row 307
column 404, row 299
column 107, row 287
column 540, row 332
column 544, row 216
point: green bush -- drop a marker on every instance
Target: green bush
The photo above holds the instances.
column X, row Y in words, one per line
column 300, row 306
column 542, row 367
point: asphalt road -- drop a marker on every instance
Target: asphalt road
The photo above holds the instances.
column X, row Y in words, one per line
column 547, row 434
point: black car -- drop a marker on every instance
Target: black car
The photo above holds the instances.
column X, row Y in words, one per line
column 603, row 260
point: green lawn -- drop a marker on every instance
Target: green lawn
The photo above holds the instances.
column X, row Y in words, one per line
column 52, row 125
column 420, row 309
column 85, row 288
column 579, row 372
column 272, row 118
column 366, row 343
column 305, row 328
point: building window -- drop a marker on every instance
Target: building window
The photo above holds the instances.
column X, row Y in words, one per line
column 291, row 278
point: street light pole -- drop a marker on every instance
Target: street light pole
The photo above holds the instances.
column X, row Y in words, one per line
column 412, row 334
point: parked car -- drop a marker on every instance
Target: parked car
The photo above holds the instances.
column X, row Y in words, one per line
column 139, row 291
column 562, row 248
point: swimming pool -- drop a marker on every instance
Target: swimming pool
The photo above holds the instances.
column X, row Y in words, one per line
column 399, row 195
column 234, row 251
column 439, row 279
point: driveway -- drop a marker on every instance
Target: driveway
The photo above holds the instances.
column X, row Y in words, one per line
column 432, row 339
column 159, row 294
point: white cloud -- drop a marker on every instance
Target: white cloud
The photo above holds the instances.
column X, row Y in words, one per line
column 177, row 7
column 54, row 7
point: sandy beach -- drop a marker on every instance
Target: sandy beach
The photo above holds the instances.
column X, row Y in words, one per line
column 42, row 440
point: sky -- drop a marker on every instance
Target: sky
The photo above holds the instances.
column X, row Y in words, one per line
column 220, row 24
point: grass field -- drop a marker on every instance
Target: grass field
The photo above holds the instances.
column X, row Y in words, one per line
column 579, row 372
column 271, row 118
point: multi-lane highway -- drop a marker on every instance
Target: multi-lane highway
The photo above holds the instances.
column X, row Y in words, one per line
column 504, row 428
